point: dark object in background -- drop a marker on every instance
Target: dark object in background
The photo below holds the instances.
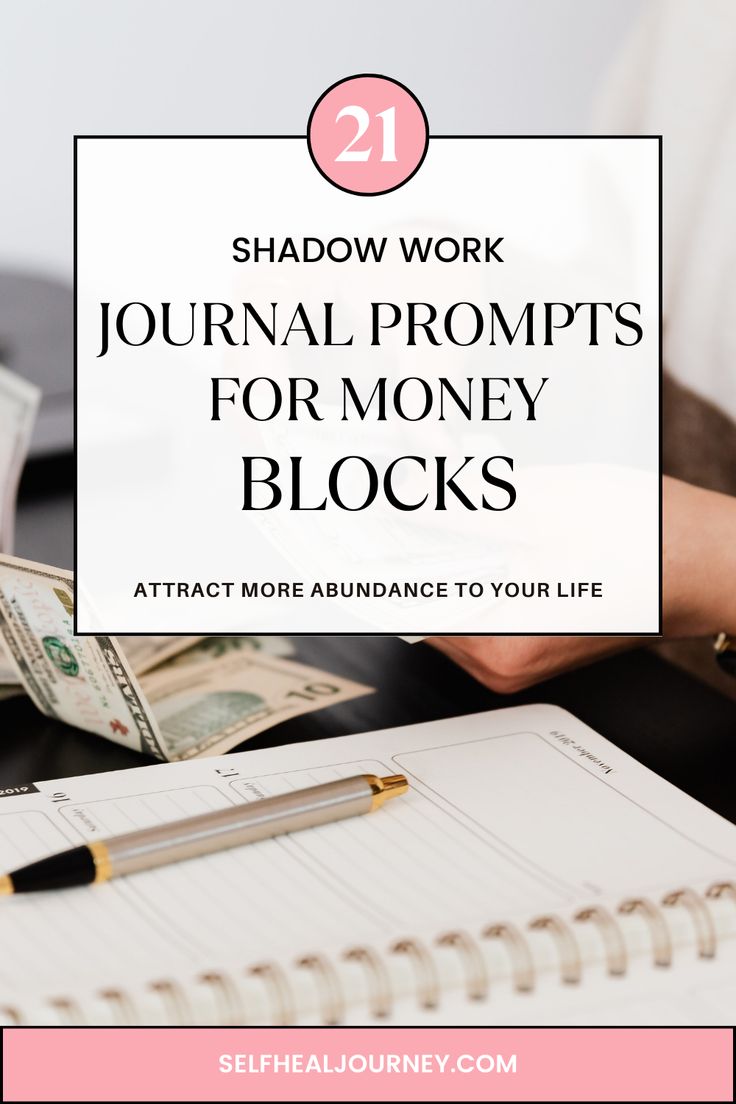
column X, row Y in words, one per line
column 37, row 342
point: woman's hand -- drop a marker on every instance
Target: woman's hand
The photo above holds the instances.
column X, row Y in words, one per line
column 699, row 592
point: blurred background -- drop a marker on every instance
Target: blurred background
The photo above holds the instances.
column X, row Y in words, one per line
column 479, row 67
column 235, row 67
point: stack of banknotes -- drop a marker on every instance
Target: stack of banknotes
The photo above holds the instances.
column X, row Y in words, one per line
column 174, row 697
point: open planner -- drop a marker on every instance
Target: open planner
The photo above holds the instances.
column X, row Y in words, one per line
column 534, row 874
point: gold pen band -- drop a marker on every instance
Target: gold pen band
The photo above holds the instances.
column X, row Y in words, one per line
column 101, row 858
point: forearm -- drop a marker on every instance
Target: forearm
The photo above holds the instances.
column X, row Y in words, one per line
column 699, row 561
column 699, row 582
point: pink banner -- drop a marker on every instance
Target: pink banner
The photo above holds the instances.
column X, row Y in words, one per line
column 368, row 1064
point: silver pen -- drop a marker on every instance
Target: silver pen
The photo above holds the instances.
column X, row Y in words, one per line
column 99, row 860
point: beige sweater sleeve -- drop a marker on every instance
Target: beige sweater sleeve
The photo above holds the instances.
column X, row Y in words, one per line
column 677, row 77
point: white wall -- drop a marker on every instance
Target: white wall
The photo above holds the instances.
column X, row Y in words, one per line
column 235, row 66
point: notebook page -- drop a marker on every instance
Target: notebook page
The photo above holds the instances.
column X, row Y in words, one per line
column 509, row 813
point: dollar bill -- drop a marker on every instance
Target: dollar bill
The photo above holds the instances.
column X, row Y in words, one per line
column 18, row 407
column 83, row 680
column 7, row 671
column 10, row 691
column 215, row 647
column 205, row 708
column 202, row 701
column 146, row 652
column 9, row 685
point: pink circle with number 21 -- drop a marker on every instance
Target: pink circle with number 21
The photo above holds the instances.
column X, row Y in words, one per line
column 367, row 134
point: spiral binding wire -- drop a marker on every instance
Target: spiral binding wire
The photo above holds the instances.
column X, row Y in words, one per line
column 226, row 995
column 280, row 990
column 124, row 1009
column 612, row 936
column 522, row 962
column 705, row 932
column 571, row 967
column 380, row 999
column 658, row 927
column 425, row 971
column 68, row 1011
column 476, row 973
column 722, row 889
column 332, row 1002
column 175, row 999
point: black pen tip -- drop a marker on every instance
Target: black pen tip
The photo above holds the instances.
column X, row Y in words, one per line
column 68, row 868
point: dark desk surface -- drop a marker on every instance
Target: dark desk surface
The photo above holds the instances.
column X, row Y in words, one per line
column 672, row 723
column 677, row 726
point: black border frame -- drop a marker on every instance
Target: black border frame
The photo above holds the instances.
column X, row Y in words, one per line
column 442, row 137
